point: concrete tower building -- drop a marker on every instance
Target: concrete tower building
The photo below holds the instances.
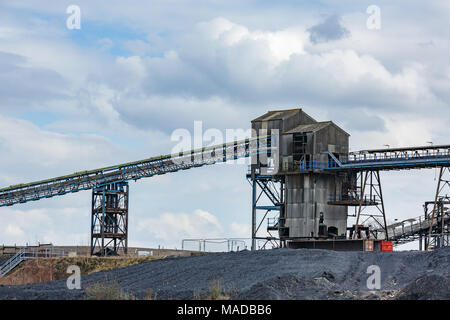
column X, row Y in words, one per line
column 301, row 143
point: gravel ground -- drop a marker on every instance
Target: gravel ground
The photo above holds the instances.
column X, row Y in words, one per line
column 270, row 274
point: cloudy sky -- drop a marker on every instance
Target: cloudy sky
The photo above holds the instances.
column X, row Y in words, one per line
column 115, row 90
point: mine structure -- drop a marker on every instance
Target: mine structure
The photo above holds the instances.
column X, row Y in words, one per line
column 306, row 188
column 318, row 180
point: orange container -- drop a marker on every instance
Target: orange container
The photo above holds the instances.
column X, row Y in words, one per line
column 386, row 246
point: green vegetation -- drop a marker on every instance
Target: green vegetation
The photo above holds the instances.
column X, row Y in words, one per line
column 50, row 269
column 107, row 291
column 112, row 291
column 216, row 292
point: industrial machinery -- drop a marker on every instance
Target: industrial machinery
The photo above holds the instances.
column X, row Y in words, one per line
column 317, row 180
column 303, row 178
column 110, row 190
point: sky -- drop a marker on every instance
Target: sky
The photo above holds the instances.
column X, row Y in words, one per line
column 115, row 89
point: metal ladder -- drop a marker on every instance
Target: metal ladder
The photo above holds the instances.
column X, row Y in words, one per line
column 12, row 262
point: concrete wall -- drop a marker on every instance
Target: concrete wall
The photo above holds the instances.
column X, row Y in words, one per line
column 306, row 197
column 307, row 194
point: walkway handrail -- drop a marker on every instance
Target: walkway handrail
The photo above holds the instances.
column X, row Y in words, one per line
column 30, row 253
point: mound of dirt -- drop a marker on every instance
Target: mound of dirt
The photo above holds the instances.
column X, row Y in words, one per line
column 291, row 287
column 426, row 288
column 269, row 274
column 44, row 269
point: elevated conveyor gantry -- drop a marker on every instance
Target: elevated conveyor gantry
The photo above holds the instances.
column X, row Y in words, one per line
column 366, row 165
column 109, row 218
column 86, row 180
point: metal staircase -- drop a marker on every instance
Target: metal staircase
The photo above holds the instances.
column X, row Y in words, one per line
column 29, row 253
column 412, row 229
column 12, row 262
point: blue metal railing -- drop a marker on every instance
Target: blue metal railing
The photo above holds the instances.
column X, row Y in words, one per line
column 416, row 159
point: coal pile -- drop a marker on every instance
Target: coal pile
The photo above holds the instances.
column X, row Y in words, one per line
column 270, row 274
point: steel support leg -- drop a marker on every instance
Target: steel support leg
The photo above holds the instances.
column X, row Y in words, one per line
column 268, row 190
column 109, row 219
column 254, row 214
column 371, row 183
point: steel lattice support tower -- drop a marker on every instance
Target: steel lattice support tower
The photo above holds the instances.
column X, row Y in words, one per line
column 362, row 190
column 109, row 219
column 267, row 197
column 439, row 231
column 371, row 196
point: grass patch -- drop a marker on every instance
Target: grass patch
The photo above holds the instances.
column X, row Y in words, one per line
column 112, row 291
column 215, row 292
column 107, row 291
column 50, row 269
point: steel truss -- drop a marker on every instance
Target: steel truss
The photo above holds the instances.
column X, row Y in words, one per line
column 439, row 230
column 267, row 198
column 371, row 196
column 418, row 228
column 87, row 180
column 109, row 219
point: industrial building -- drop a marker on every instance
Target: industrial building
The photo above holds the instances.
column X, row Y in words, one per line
column 317, row 180
column 306, row 185
column 304, row 140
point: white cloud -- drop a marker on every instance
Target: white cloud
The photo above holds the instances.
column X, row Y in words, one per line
column 27, row 144
column 241, row 230
column 281, row 44
column 57, row 225
column 14, row 231
column 210, row 218
column 106, row 44
column 400, row 130
column 224, row 71
column 222, row 62
column 227, row 61
column 171, row 227
column 139, row 47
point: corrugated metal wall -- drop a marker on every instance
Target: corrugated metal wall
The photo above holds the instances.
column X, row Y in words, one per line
column 307, row 194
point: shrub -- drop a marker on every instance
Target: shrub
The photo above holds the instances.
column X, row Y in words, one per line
column 107, row 291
